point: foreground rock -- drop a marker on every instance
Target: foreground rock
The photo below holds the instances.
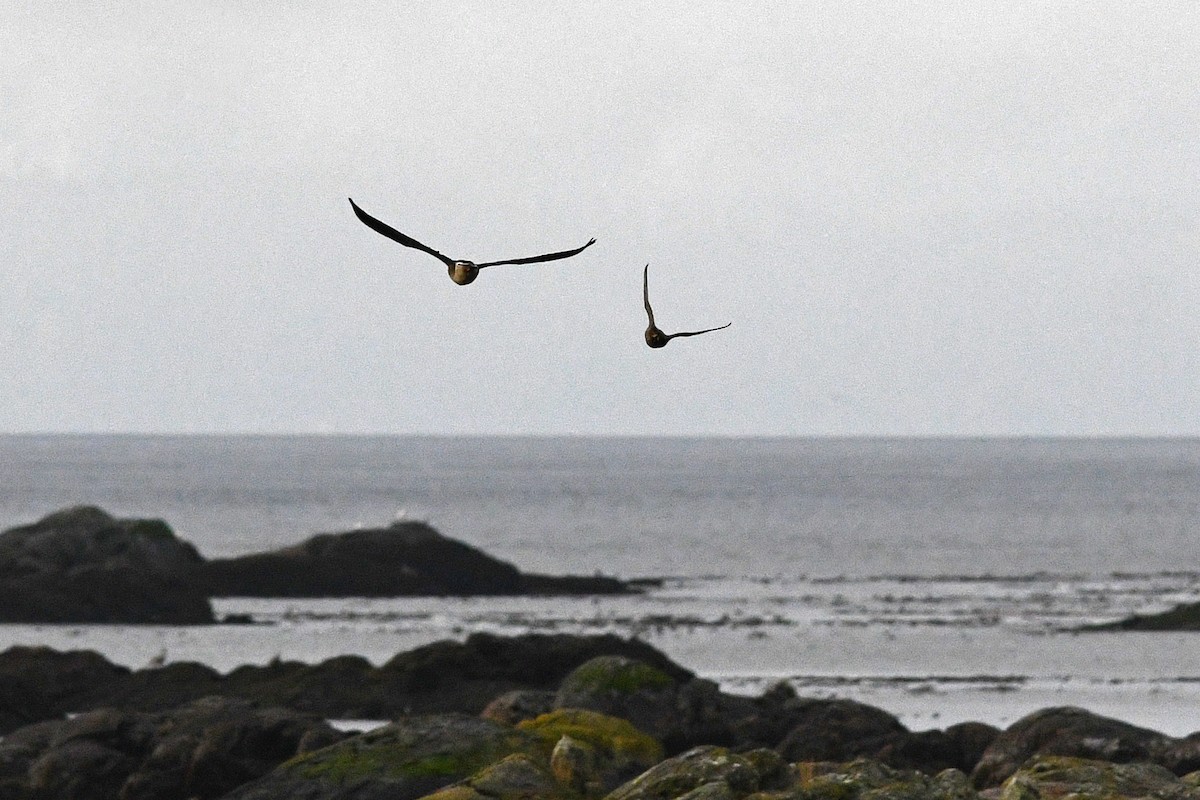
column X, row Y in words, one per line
column 1054, row 777
column 1075, row 732
column 590, row 753
column 406, row 558
column 552, row 717
column 83, row 565
column 203, row 750
column 401, row 761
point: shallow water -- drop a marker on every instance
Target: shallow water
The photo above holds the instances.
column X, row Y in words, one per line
column 932, row 652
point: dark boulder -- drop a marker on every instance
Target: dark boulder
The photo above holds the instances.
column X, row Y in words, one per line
column 201, row 750
column 82, row 565
column 958, row 747
column 805, row 729
column 55, row 683
column 835, row 729
column 22, row 703
column 1075, row 732
column 407, row 558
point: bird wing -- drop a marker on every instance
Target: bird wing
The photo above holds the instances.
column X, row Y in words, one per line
column 697, row 333
column 395, row 235
column 646, row 293
column 546, row 257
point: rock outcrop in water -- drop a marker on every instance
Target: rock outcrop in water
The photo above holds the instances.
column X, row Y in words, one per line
column 82, row 565
column 1183, row 617
column 407, row 558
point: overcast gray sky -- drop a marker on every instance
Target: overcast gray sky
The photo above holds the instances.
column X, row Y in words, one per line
column 922, row 218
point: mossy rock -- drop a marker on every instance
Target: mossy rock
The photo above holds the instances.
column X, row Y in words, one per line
column 593, row 753
column 1046, row 777
column 625, row 688
column 689, row 771
column 865, row 779
column 516, row 777
column 608, row 734
column 615, row 674
column 405, row 760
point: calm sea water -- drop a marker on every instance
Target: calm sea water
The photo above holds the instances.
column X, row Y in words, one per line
column 935, row 578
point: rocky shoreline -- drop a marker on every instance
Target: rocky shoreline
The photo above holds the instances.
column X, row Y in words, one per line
column 557, row 717
column 81, row 565
column 529, row 717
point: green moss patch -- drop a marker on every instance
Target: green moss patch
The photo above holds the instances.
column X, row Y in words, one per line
column 611, row 735
column 607, row 674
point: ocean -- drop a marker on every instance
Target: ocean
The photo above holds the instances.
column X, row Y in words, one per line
column 940, row 579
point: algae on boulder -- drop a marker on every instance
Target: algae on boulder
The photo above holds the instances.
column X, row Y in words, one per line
column 515, row 777
column 1053, row 777
column 623, row 687
column 740, row 774
column 865, row 779
column 404, row 760
column 593, row 753
column 1076, row 732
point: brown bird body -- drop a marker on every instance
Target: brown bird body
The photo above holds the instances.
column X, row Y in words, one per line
column 461, row 271
column 655, row 337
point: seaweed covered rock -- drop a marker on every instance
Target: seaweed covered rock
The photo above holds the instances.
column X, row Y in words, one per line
column 592, row 753
column 403, row 559
column 1076, row 732
column 404, row 760
column 1053, row 777
column 83, row 565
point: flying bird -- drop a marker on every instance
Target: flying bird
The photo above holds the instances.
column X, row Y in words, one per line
column 654, row 336
column 461, row 272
